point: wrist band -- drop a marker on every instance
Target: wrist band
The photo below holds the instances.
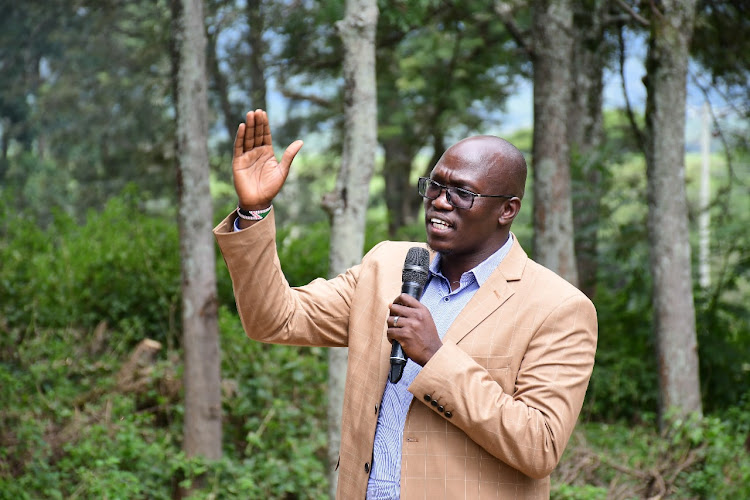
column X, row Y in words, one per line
column 253, row 214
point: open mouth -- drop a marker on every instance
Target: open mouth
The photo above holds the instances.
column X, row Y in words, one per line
column 439, row 224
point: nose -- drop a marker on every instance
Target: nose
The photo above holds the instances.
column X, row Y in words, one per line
column 441, row 202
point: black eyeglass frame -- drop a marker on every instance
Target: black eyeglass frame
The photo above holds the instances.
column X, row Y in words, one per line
column 424, row 182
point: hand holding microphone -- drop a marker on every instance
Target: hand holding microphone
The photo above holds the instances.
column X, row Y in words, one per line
column 414, row 277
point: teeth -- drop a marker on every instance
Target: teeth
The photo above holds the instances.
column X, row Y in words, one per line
column 439, row 222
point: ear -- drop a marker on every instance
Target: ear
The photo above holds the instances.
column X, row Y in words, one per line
column 509, row 211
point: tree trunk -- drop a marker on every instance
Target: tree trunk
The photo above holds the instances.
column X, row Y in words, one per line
column 553, row 217
column 674, row 311
column 256, row 23
column 704, row 219
column 202, row 426
column 221, row 87
column 586, row 135
column 347, row 205
column 399, row 192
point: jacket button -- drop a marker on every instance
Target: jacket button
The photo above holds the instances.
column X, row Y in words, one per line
column 376, row 409
column 427, row 397
column 367, row 467
column 433, row 402
column 441, row 408
column 448, row 414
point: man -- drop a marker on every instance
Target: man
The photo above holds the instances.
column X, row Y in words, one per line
column 500, row 349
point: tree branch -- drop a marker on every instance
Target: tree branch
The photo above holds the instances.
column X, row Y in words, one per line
column 627, row 8
column 299, row 96
column 505, row 11
column 640, row 139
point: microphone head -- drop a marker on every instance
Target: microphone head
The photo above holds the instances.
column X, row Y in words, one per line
column 416, row 266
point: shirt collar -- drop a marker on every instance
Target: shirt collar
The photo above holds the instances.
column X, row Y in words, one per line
column 484, row 269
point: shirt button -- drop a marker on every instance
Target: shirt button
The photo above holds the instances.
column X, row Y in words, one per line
column 367, row 467
column 446, row 299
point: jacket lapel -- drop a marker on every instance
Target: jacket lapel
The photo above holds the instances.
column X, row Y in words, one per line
column 491, row 295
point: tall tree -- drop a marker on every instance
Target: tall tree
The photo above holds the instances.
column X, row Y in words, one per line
column 258, row 47
column 585, row 128
column 443, row 68
column 347, row 204
column 549, row 42
column 671, row 26
column 553, row 212
column 236, row 40
column 86, row 97
column 202, row 377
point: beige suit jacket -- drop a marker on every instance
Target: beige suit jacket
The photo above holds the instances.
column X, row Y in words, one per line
column 493, row 409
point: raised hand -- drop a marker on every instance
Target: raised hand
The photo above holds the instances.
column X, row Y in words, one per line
column 258, row 177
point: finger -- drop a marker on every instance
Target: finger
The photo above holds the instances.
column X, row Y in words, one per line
column 399, row 310
column 261, row 126
column 407, row 300
column 288, row 156
column 238, row 140
column 266, row 141
column 248, row 140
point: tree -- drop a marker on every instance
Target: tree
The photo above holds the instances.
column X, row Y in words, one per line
column 347, row 204
column 235, row 35
column 202, row 426
column 553, row 213
column 443, row 68
column 85, row 100
column 671, row 25
column 585, row 133
column 549, row 43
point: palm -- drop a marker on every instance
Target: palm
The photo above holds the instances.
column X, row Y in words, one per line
column 258, row 177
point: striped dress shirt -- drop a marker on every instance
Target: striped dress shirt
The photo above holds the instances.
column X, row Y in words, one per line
column 444, row 306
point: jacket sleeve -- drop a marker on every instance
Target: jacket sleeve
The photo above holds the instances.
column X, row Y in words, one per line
column 272, row 311
column 528, row 426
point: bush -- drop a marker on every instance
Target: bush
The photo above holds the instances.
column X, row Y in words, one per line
column 692, row 458
column 121, row 267
column 67, row 430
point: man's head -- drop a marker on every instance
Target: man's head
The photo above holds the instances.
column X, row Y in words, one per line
column 484, row 165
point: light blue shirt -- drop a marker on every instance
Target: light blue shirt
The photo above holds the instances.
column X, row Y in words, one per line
column 444, row 306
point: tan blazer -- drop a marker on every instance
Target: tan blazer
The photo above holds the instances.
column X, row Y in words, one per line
column 492, row 410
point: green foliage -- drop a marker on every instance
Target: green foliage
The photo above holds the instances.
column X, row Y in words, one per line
column 624, row 384
column 86, row 89
column 584, row 492
column 691, row 458
column 121, row 267
column 277, row 416
column 67, row 430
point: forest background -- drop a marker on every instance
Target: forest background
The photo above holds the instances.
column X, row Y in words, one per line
column 91, row 346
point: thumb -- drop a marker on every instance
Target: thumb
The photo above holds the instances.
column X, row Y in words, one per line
column 289, row 154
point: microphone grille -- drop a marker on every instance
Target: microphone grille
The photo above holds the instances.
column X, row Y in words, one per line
column 416, row 266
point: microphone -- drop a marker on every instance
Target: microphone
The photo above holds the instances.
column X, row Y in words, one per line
column 414, row 277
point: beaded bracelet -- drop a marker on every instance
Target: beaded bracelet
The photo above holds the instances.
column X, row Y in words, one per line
column 253, row 214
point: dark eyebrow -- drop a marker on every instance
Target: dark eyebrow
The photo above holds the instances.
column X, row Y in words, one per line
column 462, row 184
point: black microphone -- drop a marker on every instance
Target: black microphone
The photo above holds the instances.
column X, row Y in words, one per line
column 414, row 278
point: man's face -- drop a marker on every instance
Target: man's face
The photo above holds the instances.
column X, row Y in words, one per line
column 473, row 232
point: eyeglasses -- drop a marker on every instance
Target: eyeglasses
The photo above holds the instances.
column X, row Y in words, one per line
column 458, row 197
